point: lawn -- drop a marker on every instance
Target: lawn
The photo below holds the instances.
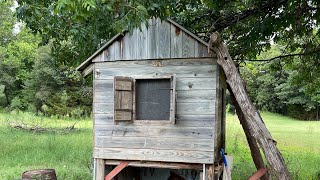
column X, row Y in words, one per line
column 298, row 141
column 69, row 152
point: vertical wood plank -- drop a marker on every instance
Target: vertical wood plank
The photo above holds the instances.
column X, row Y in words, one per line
column 176, row 42
column 163, row 39
column 117, row 50
column 129, row 46
column 187, row 46
column 110, row 55
column 142, row 37
column 152, row 46
column 100, row 169
column 173, row 100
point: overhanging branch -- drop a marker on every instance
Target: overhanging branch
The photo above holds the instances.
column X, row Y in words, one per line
column 279, row 57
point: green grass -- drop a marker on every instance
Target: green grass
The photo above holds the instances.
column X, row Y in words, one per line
column 70, row 154
column 298, row 141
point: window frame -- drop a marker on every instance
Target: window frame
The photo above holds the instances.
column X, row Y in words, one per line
column 171, row 119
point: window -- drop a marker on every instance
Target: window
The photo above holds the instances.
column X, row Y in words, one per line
column 144, row 99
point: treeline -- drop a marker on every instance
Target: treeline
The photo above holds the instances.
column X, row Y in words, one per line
column 282, row 87
column 31, row 80
column 30, row 77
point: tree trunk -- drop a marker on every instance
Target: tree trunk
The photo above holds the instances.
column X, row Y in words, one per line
column 251, row 115
column 254, row 147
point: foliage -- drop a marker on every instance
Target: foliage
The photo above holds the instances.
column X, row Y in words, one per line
column 32, row 80
column 79, row 27
column 51, row 89
column 7, row 21
column 279, row 87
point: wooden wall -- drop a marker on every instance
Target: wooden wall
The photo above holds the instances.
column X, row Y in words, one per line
column 220, row 123
column 161, row 40
column 190, row 140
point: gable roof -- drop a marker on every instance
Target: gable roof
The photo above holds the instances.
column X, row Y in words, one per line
column 202, row 44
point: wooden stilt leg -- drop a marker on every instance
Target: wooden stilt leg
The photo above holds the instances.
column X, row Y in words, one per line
column 100, row 169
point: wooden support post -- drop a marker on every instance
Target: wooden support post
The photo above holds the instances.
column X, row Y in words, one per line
column 253, row 145
column 251, row 115
column 100, row 169
column 209, row 172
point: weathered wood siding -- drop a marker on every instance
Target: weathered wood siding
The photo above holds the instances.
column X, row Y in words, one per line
column 219, row 125
column 161, row 40
column 190, row 139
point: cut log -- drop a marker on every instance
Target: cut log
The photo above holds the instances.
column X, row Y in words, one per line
column 258, row 129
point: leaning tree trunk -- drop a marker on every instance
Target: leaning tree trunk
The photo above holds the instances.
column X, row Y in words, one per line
column 251, row 115
column 254, row 147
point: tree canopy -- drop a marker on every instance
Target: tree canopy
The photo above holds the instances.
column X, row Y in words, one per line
column 75, row 29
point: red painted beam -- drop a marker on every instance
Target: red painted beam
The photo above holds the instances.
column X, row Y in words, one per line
column 116, row 170
column 258, row 174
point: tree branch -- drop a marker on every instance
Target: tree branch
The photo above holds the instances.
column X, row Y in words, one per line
column 280, row 57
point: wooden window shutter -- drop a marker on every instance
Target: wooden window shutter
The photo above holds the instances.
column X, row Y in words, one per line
column 173, row 100
column 123, row 98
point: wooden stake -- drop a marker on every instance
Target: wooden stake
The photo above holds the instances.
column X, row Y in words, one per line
column 252, row 116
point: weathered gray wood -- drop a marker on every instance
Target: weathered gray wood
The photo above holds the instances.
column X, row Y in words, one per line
column 87, row 70
column 173, row 99
column 100, row 169
column 193, row 108
column 196, row 108
column 154, row 143
column 176, row 42
column 182, row 84
column 123, row 98
column 98, row 58
column 151, row 164
column 217, row 125
column 158, row 63
column 181, row 120
column 181, row 71
column 163, row 39
column 160, row 40
column 104, row 94
column 187, row 46
column 123, row 85
column 152, row 43
column 142, row 42
column 103, row 108
column 195, row 83
column 155, row 155
column 252, row 116
column 134, row 130
column 117, row 50
column 129, row 42
column 207, row 95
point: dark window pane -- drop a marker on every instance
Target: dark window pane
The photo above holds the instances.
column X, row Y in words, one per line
column 153, row 99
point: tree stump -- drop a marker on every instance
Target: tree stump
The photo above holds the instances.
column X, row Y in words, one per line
column 39, row 174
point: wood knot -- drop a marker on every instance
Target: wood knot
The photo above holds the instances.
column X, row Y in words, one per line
column 190, row 84
column 156, row 64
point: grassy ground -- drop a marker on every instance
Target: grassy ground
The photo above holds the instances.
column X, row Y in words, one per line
column 70, row 154
column 298, row 141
